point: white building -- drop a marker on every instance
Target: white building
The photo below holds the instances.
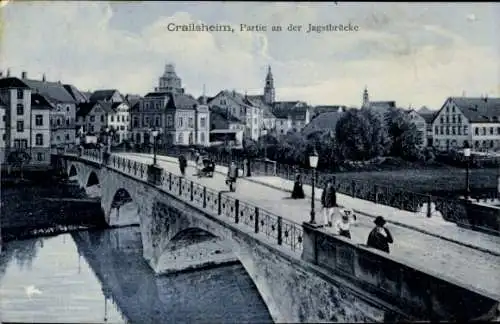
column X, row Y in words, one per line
column 421, row 125
column 24, row 123
column 465, row 121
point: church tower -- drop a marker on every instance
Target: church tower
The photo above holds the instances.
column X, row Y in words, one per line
column 366, row 98
column 269, row 94
column 169, row 81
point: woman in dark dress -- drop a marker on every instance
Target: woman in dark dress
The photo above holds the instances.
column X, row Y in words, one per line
column 298, row 191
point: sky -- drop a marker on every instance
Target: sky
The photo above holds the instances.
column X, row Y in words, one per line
column 414, row 53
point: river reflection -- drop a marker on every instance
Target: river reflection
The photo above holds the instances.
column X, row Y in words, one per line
column 93, row 276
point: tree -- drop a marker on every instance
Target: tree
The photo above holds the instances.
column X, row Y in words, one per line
column 404, row 134
column 250, row 147
column 19, row 158
column 379, row 139
column 354, row 133
column 324, row 143
column 293, row 148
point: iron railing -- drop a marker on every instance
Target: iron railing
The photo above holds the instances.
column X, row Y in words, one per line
column 260, row 221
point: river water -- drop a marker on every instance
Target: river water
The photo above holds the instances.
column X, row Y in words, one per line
column 100, row 276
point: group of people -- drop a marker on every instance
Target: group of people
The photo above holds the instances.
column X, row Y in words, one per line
column 379, row 238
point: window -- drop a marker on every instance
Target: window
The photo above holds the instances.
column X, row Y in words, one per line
column 170, row 121
column 453, row 131
column 58, row 138
column 127, row 117
column 442, row 130
column 20, row 93
column 147, row 105
column 180, row 139
column 476, row 131
column 491, row 130
column 179, row 122
column 459, row 119
column 84, row 128
column 4, row 137
column 20, row 109
column 136, row 122
column 67, row 121
column 492, row 144
column 453, row 119
column 20, row 126
column 190, row 122
column 39, row 120
column 123, row 118
column 146, row 121
column 122, row 127
column 102, row 118
column 447, row 130
column 203, row 122
column 67, row 137
column 459, row 130
column 202, row 137
column 498, row 130
column 453, row 109
column 67, row 108
column 484, row 130
column 39, row 139
column 112, row 118
column 138, row 137
column 40, row 156
column 92, row 128
column 447, row 119
column 92, row 118
column 157, row 121
column 447, row 109
column 476, row 144
column 441, row 120
column 21, row 143
column 4, row 118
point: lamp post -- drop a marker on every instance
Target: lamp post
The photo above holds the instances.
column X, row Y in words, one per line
column 155, row 134
column 313, row 162
column 467, row 156
column 264, row 140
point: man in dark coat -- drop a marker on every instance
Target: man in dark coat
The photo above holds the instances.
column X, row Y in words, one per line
column 380, row 237
column 329, row 202
column 182, row 164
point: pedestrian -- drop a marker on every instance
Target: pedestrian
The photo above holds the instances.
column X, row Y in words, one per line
column 329, row 202
column 298, row 191
column 343, row 225
column 182, row 164
column 380, row 237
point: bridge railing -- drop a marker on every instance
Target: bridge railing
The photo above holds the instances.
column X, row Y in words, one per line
column 253, row 218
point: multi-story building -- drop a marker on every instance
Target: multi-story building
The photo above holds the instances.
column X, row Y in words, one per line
column 291, row 116
column 180, row 117
column 225, row 128
column 62, row 116
column 25, row 123
column 473, row 122
column 105, row 109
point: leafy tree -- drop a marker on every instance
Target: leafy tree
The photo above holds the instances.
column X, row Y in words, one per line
column 324, row 143
column 354, row 134
column 379, row 139
column 250, row 147
column 404, row 134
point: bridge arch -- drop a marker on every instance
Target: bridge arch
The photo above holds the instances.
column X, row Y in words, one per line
column 93, row 179
column 93, row 185
column 124, row 209
column 72, row 171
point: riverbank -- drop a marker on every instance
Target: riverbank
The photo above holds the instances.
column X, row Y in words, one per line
column 45, row 206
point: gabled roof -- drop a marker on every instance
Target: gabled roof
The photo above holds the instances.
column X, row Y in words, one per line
column 53, row 91
column 84, row 108
column 12, row 82
column 258, row 101
column 87, row 94
column 324, row 121
column 479, row 110
column 181, row 101
column 429, row 117
column 75, row 93
column 39, row 102
column 102, row 95
column 224, row 113
column 424, row 110
column 284, row 109
column 157, row 94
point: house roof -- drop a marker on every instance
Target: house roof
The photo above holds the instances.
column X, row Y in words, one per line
column 87, row 94
column 424, row 110
column 75, row 93
column 53, row 91
column 12, row 82
column 156, row 94
column 479, row 110
column 429, row 117
column 284, row 109
column 84, row 108
column 324, row 121
column 181, row 101
column 258, row 101
column 102, row 95
column 39, row 102
column 224, row 113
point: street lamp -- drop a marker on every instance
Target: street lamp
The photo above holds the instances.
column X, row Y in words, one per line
column 313, row 162
column 155, row 134
column 264, row 140
column 108, row 141
column 467, row 188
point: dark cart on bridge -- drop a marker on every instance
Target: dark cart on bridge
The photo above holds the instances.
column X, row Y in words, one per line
column 208, row 168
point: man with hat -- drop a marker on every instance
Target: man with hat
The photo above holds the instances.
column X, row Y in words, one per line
column 343, row 225
column 380, row 237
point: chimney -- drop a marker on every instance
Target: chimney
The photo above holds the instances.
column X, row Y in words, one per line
column 24, row 75
column 43, row 77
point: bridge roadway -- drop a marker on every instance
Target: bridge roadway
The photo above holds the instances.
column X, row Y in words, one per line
column 466, row 265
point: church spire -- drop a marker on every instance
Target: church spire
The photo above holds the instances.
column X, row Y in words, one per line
column 366, row 98
column 269, row 92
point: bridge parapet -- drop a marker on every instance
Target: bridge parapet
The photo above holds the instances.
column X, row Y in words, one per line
column 414, row 290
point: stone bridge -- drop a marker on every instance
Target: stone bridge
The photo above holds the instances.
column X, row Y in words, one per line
column 184, row 225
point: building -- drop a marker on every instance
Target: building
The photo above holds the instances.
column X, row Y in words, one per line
column 381, row 108
column 106, row 109
column 324, row 122
column 318, row 110
column 181, row 118
column 25, row 125
column 419, row 121
column 63, row 113
column 291, row 116
column 225, row 128
column 464, row 121
column 240, row 107
column 428, row 116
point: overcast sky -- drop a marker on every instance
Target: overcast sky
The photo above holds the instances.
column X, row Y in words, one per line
column 416, row 53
